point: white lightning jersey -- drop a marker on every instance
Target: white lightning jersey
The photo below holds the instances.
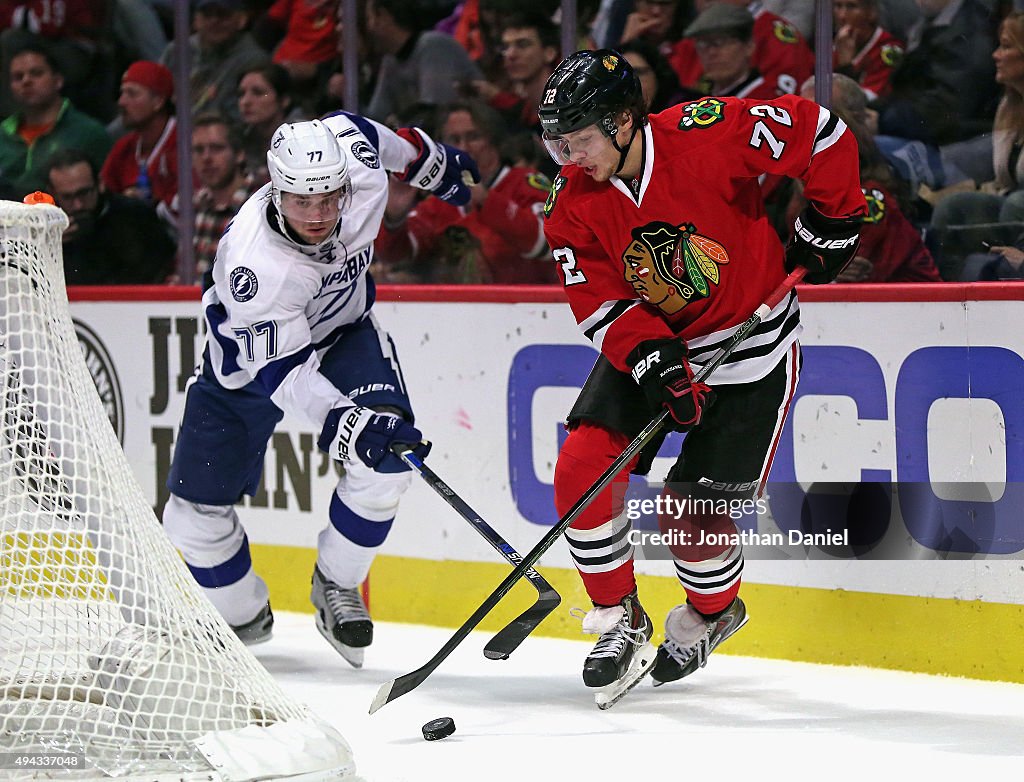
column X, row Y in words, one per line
column 275, row 306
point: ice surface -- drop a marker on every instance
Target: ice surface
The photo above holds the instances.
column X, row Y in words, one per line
column 530, row 717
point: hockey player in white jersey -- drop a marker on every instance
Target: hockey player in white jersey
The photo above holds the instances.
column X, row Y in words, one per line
column 290, row 329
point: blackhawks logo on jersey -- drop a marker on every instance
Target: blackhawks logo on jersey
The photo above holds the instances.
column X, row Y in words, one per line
column 784, row 31
column 556, row 188
column 702, row 114
column 669, row 266
column 891, row 54
column 538, row 181
column 876, row 205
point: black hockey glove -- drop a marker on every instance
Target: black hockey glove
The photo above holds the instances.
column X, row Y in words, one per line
column 662, row 371
column 823, row 244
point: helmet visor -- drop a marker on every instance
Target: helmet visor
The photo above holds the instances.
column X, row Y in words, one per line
column 576, row 147
column 557, row 147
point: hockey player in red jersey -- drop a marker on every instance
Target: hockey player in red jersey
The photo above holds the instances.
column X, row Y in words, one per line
column 659, row 232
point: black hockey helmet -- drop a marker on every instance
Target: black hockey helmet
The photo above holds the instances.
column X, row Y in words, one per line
column 590, row 87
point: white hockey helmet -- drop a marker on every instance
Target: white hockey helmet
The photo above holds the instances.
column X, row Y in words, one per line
column 305, row 159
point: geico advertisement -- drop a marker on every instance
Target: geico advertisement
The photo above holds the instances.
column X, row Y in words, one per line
column 907, row 431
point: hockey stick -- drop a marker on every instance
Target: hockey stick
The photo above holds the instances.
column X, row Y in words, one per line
column 410, row 681
column 508, row 639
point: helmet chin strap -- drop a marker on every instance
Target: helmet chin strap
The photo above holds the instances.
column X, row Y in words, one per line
column 624, row 150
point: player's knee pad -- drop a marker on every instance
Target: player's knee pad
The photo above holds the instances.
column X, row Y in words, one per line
column 586, row 453
column 372, row 495
column 206, row 535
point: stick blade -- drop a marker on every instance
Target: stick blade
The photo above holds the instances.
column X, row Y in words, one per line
column 396, row 688
column 508, row 639
column 383, row 696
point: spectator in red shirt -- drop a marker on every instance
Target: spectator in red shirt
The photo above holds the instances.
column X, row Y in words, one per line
column 891, row 248
column 781, row 54
column 144, row 162
column 861, row 49
column 723, row 37
column 310, row 44
column 498, row 237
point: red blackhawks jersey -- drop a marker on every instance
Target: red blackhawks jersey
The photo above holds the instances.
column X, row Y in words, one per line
column 752, row 85
column 781, row 54
column 694, row 255
column 873, row 65
column 891, row 242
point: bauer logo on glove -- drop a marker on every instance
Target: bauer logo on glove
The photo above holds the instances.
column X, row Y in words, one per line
column 358, row 433
column 445, row 171
column 662, row 371
column 823, row 244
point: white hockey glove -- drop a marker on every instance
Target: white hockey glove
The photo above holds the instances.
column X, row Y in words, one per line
column 358, row 433
column 445, row 171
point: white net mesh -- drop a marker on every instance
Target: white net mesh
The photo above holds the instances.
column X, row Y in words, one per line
column 110, row 658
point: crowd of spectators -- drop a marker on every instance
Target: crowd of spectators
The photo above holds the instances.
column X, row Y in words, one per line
column 933, row 90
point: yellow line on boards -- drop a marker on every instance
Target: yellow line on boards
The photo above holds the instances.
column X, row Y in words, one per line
column 927, row 635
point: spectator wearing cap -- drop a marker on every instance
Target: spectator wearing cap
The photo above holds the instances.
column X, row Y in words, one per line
column 44, row 122
column 144, row 162
column 781, row 53
column 309, row 48
column 722, row 35
column 220, row 51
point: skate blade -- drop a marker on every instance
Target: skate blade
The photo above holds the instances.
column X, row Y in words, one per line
column 642, row 662
column 353, row 655
column 260, row 639
column 693, row 666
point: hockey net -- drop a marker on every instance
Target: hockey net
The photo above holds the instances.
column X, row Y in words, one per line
column 112, row 663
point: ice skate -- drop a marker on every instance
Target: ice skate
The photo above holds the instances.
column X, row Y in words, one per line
column 623, row 653
column 341, row 618
column 690, row 637
column 258, row 630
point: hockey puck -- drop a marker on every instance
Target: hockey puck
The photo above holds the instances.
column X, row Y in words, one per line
column 439, row 728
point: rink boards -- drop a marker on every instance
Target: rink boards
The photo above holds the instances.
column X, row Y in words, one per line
column 913, row 391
